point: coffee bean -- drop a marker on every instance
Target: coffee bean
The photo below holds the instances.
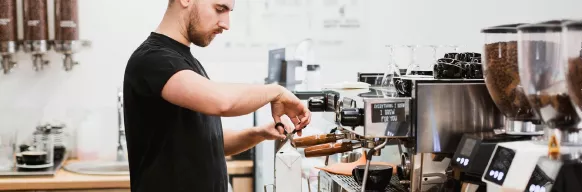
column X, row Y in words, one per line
column 8, row 23
column 35, row 20
column 66, row 20
column 502, row 78
column 563, row 114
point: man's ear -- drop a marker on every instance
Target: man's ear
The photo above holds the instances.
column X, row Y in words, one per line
column 186, row 3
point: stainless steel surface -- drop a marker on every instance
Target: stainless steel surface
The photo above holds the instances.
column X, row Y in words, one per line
column 98, row 168
column 37, row 47
column 7, row 50
column 340, row 183
column 7, row 63
column 68, row 62
column 447, row 109
column 69, row 47
column 349, row 157
column 121, row 142
column 427, row 175
column 8, row 47
column 522, row 128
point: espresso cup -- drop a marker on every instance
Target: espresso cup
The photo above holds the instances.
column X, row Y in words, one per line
column 34, row 157
column 379, row 176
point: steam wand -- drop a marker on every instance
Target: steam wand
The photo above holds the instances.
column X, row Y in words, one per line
column 369, row 155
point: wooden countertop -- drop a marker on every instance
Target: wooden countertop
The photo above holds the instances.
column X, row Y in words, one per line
column 68, row 180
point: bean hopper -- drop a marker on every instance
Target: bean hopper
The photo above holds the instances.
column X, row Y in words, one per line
column 524, row 164
column 66, row 39
column 36, row 36
column 559, row 169
column 8, row 34
column 521, row 122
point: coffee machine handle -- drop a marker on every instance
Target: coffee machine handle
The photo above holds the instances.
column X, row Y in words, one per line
column 315, row 140
column 327, row 149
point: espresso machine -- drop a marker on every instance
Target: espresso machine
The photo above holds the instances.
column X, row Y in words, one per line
column 534, row 165
column 426, row 123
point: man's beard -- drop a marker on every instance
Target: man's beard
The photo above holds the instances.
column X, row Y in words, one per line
column 196, row 36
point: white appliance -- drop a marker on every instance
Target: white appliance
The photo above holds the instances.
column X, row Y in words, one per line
column 512, row 164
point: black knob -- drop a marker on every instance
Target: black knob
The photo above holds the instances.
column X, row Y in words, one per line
column 352, row 117
column 316, row 104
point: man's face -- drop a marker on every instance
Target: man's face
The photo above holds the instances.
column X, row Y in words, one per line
column 206, row 19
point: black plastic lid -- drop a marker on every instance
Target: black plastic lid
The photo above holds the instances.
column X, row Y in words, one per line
column 546, row 26
column 509, row 28
column 313, row 67
column 573, row 25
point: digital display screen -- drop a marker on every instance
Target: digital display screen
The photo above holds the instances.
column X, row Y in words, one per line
column 468, row 147
column 388, row 112
column 538, row 179
column 499, row 165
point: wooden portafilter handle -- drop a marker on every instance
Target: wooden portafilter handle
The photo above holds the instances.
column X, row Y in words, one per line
column 315, row 140
column 328, row 149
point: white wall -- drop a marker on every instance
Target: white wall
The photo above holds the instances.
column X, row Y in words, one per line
column 117, row 27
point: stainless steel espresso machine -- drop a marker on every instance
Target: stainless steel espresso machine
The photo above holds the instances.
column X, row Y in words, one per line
column 427, row 122
column 536, row 165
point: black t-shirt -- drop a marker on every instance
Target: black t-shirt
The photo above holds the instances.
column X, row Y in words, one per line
column 170, row 148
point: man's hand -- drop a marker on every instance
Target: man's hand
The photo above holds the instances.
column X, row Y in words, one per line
column 268, row 131
column 288, row 104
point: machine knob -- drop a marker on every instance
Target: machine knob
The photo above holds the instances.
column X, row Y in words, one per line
column 352, row 117
column 316, row 104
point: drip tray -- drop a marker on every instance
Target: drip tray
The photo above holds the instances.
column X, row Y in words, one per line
column 347, row 183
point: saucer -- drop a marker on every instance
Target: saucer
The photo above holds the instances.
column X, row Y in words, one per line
column 34, row 166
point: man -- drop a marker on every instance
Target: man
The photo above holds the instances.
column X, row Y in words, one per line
column 172, row 110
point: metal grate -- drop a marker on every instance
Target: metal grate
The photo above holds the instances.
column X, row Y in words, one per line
column 349, row 184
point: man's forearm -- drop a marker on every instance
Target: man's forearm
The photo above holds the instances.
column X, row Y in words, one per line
column 244, row 99
column 236, row 142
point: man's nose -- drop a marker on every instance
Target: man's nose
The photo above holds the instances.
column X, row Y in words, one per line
column 224, row 22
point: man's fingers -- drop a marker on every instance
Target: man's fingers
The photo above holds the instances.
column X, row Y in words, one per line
column 305, row 119
column 278, row 123
column 280, row 127
column 277, row 119
column 295, row 121
column 281, row 130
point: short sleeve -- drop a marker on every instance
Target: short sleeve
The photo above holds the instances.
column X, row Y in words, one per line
column 151, row 72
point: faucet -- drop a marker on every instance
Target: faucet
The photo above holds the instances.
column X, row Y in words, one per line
column 121, row 142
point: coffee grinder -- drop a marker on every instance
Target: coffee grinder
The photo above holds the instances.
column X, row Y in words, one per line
column 521, row 122
column 35, row 21
column 543, row 81
column 8, row 34
column 67, row 31
column 558, row 170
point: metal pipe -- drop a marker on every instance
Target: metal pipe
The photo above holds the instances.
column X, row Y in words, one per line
column 369, row 159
